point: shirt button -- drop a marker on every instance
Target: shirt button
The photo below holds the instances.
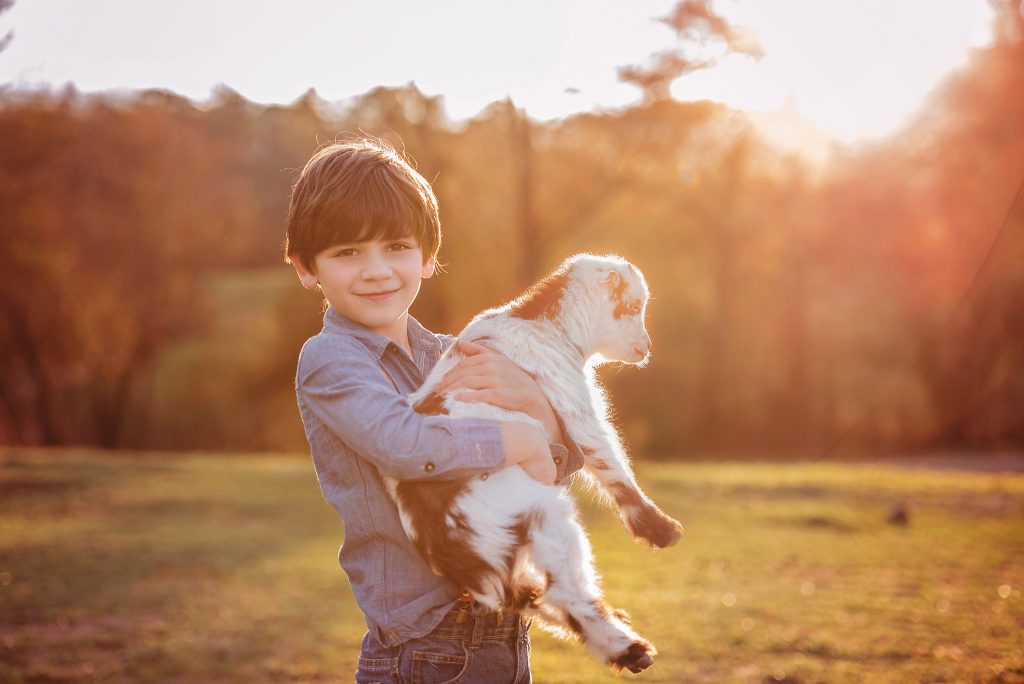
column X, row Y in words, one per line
column 558, row 460
column 429, row 467
column 484, row 476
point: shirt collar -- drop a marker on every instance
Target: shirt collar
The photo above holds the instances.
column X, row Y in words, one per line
column 419, row 337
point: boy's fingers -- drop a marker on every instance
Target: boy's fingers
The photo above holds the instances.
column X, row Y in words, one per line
column 464, row 367
column 468, row 382
column 471, row 348
column 481, row 395
column 468, row 362
column 460, row 372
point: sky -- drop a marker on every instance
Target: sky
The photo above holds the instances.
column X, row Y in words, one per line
column 854, row 69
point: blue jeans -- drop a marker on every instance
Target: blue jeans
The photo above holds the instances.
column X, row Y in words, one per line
column 481, row 649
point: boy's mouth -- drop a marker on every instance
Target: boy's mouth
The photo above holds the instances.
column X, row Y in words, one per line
column 378, row 296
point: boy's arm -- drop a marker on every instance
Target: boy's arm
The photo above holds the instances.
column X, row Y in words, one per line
column 493, row 378
column 345, row 388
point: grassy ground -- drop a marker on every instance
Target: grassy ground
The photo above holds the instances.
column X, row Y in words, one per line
column 222, row 569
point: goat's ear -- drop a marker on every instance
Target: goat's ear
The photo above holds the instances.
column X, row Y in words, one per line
column 612, row 279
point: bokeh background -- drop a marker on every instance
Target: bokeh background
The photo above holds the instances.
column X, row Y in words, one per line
column 808, row 290
column 827, row 200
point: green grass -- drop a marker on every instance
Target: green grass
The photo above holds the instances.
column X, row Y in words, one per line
column 213, row 568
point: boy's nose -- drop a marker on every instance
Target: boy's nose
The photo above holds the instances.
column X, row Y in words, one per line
column 376, row 269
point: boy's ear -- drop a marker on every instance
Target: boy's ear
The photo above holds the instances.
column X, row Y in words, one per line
column 306, row 277
column 428, row 267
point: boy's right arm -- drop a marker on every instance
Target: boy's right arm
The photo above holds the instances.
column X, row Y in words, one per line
column 343, row 386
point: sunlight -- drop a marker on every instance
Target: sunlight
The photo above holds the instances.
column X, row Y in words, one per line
column 854, row 69
column 851, row 68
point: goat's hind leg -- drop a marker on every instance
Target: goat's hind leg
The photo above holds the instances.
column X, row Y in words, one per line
column 572, row 600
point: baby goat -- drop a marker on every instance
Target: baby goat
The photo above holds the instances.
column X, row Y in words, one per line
column 512, row 542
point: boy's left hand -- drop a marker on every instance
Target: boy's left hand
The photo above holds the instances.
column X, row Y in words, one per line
column 494, row 379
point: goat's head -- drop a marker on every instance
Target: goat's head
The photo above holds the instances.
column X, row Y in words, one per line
column 616, row 294
column 600, row 302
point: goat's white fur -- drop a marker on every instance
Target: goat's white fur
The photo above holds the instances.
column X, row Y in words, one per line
column 598, row 316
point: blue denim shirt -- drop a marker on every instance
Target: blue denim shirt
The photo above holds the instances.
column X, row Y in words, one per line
column 360, row 426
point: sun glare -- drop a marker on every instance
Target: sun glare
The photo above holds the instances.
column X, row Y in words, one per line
column 851, row 68
column 854, row 69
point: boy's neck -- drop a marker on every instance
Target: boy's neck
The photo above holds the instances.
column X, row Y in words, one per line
column 398, row 332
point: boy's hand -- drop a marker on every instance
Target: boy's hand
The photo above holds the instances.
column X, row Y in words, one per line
column 527, row 447
column 493, row 379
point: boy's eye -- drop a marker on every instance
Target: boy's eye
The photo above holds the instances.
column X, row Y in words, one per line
column 400, row 246
column 348, row 251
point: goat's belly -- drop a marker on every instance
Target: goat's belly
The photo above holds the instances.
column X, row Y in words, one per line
column 502, row 500
column 475, row 537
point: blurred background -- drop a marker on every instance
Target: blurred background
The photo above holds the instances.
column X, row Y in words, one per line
column 825, row 200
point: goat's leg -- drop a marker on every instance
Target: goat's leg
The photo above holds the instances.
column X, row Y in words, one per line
column 572, row 600
column 608, row 466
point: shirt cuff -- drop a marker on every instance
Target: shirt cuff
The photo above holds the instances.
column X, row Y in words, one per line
column 573, row 459
column 560, row 455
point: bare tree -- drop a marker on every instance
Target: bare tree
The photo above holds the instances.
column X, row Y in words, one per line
column 6, row 40
column 695, row 25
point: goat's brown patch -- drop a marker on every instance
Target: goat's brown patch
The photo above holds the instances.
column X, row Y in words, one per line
column 544, row 299
column 593, row 461
column 645, row 520
column 446, row 549
column 625, row 495
column 617, row 292
column 636, row 659
column 521, row 533
column 523, row 595
column 431, row 405
column 576, row 627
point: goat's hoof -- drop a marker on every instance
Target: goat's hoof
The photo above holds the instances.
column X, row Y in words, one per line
column 657, row 529
column 637, row 658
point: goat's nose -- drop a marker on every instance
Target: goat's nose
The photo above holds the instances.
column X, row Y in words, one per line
column 639, row 351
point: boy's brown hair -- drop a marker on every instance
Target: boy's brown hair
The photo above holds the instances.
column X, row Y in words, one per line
column 358, row 190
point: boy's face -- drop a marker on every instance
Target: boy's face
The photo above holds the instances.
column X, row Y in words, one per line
column 372, row 283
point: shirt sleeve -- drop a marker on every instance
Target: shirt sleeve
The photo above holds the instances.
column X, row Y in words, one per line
column 344, row 387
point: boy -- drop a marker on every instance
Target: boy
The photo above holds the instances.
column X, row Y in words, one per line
column 363, row 226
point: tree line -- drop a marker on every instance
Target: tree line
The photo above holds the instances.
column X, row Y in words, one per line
column 874, row 303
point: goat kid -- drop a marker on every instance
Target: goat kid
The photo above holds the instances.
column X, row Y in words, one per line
column 512, row 542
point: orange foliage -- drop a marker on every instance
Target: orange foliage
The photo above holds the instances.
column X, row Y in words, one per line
column 793, row 306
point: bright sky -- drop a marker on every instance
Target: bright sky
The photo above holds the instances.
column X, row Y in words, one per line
column 853, row 68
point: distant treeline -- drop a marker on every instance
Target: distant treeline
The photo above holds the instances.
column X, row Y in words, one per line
column 145, row 303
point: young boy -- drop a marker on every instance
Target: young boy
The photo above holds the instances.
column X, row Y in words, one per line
column 363, row 227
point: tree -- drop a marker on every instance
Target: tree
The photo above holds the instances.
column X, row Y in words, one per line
column 9, row 36
column 695, row 25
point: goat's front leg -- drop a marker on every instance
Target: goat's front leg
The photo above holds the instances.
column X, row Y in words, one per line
column 608, row 465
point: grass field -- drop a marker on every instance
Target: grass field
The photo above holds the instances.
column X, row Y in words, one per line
column 171, row 568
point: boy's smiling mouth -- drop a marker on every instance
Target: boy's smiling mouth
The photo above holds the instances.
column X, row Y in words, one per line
column 378, row 296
